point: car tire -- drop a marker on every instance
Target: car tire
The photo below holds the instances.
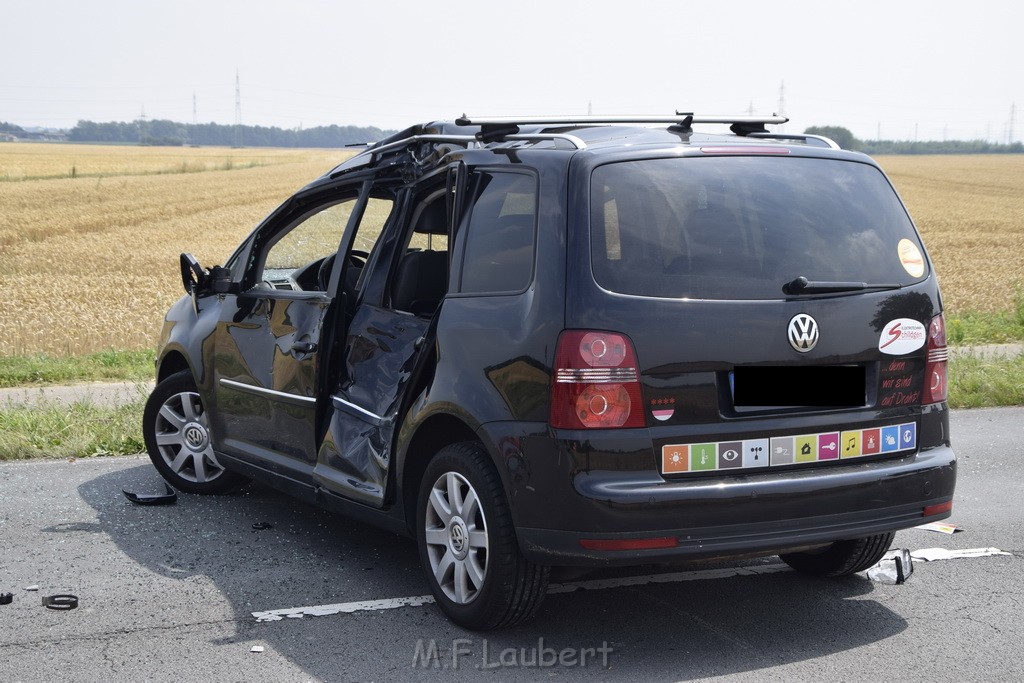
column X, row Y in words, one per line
column 468, row 545
column 177, row 435
column 842, row 557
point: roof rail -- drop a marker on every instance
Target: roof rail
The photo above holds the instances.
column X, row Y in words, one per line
column 684, row 118
column 397, row 144
column 556, row 137
column 821, row 139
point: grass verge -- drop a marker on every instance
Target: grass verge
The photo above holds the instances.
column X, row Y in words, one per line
column 983, row 383
column 77, row 430
column 128, row 366
column 964, row 329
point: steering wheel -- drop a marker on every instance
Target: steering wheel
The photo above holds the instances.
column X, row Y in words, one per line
column 356, row 257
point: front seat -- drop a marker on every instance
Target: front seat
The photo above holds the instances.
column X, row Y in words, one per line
column 421, row 282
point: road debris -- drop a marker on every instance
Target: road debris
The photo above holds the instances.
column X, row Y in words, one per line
column 61, row 602
column 6, row 598
column 940, row 527
column 31, row 588
column 262, row 526
column 894, row 568
column 168, row 498
column 256, row 648
column 933, row 554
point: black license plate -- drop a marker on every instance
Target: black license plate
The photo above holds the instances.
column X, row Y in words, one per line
column 817, row 386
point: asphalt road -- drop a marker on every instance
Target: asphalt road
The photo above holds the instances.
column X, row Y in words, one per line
column 167, row 594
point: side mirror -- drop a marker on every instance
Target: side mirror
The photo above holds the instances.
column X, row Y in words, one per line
column 192, row 276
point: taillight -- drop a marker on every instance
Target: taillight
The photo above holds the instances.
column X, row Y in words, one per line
column 935, row 371
column 597, row 382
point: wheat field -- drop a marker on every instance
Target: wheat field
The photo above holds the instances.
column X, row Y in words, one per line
column 970, row 211
column 91, row 261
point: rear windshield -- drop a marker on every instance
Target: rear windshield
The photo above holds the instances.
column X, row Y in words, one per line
column 741, row 227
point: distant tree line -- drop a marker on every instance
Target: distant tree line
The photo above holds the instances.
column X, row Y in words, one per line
column 163, row 132
column 846, row 139
column 11, row 128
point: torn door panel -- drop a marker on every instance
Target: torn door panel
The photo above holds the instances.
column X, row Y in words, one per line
column 381, row 353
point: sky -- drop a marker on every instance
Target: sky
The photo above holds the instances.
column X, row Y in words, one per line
column 928, row 70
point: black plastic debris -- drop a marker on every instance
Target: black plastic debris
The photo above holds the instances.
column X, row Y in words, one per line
column 169, row 498
column 61, row 602
column 262, row 526
column 6, row 598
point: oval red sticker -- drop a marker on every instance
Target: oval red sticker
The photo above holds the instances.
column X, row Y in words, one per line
column 901, row 336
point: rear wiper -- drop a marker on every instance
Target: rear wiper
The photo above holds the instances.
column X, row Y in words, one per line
column 802, row 285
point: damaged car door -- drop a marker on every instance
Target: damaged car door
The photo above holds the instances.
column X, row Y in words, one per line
column 268, row 370
column 387, row 340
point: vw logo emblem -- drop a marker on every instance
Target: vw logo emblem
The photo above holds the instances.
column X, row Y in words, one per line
column 458, row 535
column 194, row 436
column 803, row 332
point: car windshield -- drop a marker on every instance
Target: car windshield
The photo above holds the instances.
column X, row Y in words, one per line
column 740, row 227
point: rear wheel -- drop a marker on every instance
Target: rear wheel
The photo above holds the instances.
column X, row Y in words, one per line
column 468, row 546
column 842, row 557
column 177, row 434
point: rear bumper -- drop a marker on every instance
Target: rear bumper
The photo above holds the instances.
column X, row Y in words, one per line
column 557, row 504
column 568, row 487
column 780, row 533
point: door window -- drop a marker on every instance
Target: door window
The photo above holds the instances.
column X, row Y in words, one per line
column 421, row 277
column 300, row 256
column 294, row 259
column 501, row 234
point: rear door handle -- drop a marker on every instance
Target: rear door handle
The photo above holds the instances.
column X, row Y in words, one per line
column 304, row 346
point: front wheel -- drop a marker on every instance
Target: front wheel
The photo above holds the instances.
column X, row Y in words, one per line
column 176, row 429
column 468, row 545
column 842, row 557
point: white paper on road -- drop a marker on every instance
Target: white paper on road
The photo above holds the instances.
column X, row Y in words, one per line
column 933, row 554
column 940, row 527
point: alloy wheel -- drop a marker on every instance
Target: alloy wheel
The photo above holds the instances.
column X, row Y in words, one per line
column 182, row 433
column 456, row 538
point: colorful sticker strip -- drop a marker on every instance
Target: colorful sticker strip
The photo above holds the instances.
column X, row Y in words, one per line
column 787, row 450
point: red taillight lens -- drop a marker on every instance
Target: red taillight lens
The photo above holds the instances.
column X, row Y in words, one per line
column 597, row 382
column 935, row 370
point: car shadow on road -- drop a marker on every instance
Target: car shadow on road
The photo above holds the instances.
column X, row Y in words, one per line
column 666, row 631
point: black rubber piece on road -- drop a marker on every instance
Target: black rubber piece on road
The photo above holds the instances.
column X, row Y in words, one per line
column 61, row 602
column 6, row 598
column 168, row 498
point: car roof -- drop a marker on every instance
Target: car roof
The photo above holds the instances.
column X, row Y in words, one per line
column 430, row 145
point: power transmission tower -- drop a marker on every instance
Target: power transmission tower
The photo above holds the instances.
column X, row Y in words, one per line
column 142, row 124
column 1013, row 115
column 750, row 109
column 238, row 110
column 590, row 107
